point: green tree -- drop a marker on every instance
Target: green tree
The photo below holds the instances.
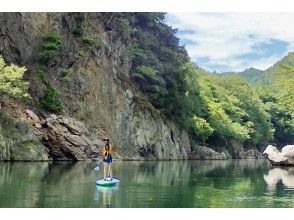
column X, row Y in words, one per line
column 202, row 128
column 11, row 80
column 50, row 100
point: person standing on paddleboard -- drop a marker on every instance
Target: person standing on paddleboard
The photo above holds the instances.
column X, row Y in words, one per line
column 107, row 159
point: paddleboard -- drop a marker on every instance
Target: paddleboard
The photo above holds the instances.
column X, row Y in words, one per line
column 107, row 182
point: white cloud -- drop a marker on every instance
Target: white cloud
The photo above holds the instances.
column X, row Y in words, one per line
column 224, row 37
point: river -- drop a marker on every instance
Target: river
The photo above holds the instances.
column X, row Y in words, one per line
column 230, row 183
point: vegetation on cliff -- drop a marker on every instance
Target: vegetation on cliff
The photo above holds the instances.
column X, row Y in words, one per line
column 143, row 54
column 215, row 110
column 11, row 80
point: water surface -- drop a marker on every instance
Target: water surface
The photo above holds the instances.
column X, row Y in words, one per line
column 232, row 183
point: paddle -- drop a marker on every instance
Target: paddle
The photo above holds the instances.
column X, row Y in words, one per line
column 97, row 167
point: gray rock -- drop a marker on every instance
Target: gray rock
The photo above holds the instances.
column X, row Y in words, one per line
column 205, row 153
column 18, row 141
column 285, row 157
column 34, row 118
column 37, row 125
column 241, row 153
column 68, row 141
column 53, row 116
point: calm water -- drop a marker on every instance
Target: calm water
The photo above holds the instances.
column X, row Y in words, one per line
column 239, row 183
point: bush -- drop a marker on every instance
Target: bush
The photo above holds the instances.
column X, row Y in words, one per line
column 64, row 77
column 149, row 75
column 78, row 31
column 51, row 43
column 93, row 41
column 79, row 18
column 50, row 100
column 80, row 54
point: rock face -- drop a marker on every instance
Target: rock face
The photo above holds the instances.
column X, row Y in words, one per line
column 285, row 157
column 65, row 138
column 18, row 141
column 240, row 153
column 97, row 90
column 205, row 153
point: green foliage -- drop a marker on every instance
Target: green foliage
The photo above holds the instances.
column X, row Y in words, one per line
column 279, row 100
column 93, row 40
column 149, row 82
column 50, row 100
column 202, row 128
column 78, row 30
column 152, row 48
column 64, row 76
column 229, row 105
column 51, row 44
column 275, row 88
column 11, row 80
column 80, row 54
column 223, row 125
column 253, row 109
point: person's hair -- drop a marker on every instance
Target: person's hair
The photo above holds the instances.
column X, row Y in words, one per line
column 107, row 143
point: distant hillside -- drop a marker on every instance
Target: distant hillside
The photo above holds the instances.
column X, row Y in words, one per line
column 283, row 69
column 251, row 75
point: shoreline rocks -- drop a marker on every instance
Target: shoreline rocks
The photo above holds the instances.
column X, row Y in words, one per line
column 285, row 157
column 18, row 141
column 205, row 153
column 65, row 138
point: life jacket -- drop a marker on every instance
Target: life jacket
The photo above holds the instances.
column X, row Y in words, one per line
column 110, row 151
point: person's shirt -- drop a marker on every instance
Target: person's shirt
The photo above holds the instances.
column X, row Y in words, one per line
column 109, row 151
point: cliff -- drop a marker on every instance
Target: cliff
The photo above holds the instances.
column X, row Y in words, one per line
column 90, row 74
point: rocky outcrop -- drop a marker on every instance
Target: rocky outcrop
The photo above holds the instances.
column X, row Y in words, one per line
column 18, row 141
column 153, row 138
column 240, row 153
column 65, row 138
column 205, row 153
column 285, row 157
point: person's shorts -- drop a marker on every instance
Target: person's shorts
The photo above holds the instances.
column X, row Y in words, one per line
column 108, row 160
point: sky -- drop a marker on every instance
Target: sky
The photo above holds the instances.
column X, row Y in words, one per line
column 224, row 42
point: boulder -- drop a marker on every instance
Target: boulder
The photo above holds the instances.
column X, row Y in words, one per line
column 66, row 139
column 285, row 157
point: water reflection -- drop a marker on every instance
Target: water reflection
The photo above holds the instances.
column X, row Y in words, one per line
column 276, row 175
column 104, row 195
column 230, row 183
